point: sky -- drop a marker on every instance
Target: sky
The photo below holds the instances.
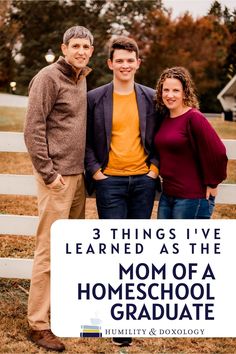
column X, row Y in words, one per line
column 197, row 8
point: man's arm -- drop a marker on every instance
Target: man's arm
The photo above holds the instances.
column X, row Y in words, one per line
column 91, row 163
column 42, row 97
column 151, row 126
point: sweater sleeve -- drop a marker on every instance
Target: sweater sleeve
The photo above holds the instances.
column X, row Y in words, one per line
column 209, row 149
column 91, row 162
column 42, row 97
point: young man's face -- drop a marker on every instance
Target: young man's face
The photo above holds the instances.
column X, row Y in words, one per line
column 78, row 52
column 124, row 65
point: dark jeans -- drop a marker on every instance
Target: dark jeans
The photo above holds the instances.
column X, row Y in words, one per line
column 126, row 197
column 180, row 208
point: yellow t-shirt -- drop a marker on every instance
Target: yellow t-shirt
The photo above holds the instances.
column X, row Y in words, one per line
column 126, row 155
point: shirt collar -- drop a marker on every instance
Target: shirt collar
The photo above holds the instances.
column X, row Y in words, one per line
column 68, row 70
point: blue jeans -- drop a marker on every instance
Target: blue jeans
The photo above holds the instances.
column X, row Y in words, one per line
column 180, row 208
column 126, row 197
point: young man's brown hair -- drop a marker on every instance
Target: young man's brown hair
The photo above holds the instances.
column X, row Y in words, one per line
column 125, row 43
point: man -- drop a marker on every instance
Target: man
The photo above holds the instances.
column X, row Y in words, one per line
column 55, row 132
column 121, row 124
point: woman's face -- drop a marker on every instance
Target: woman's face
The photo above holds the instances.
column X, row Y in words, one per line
column 173, row 95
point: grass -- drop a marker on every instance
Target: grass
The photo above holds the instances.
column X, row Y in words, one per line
column 13, row 292
column 225, row 129
column 12, row 119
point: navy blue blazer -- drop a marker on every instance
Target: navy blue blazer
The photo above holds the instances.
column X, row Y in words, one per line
column 99, row 125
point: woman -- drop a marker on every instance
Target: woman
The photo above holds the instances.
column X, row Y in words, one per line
column 192, row 157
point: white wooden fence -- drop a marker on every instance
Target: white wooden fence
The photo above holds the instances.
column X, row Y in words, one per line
column 25, row 185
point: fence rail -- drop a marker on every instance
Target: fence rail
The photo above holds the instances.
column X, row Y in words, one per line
column 20, row 225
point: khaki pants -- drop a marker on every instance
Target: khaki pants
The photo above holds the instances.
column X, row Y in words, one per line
column 66, row 202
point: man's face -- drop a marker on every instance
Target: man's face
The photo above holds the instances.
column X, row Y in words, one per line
column 77, row 52
column 124, row 65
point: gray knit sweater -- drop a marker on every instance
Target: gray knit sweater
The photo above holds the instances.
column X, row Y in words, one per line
column 55, row 127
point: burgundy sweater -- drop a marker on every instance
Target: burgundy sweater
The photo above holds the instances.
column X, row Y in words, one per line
column 191, row 154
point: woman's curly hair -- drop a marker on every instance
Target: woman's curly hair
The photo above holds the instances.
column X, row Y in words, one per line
column 181, row 74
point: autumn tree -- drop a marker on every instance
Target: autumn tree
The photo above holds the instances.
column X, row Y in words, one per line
column 206, row 45
column 41, row 25
column 9, row 30
column 230, row 62
column 199, row 45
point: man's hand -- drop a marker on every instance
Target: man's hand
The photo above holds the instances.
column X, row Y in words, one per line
column 211, row 191
column 57, row 183
column 99, row 176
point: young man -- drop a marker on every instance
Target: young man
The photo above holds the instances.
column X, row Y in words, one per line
column 121, row 125
column 55, row 132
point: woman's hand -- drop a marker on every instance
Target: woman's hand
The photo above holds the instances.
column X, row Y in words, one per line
column 211, row 191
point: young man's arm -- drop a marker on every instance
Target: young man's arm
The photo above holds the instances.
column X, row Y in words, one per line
column 91, row 162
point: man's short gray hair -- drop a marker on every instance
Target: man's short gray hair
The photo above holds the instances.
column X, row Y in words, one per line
column 77, row 32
